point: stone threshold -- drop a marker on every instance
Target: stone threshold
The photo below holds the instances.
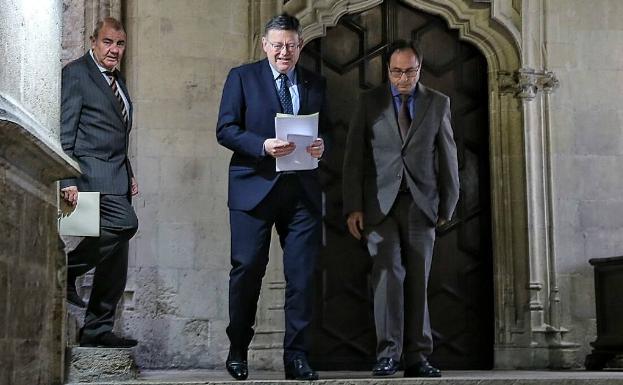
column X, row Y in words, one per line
column 493, row 377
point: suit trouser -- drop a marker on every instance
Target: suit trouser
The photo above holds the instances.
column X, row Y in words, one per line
column 298, row 225
column 108, row 254
column 400, row 274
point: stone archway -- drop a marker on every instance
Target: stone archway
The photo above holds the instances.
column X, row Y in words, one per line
column 527, row 327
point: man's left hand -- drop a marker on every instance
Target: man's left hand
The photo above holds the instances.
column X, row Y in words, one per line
column 316, row 149
column 134, row 186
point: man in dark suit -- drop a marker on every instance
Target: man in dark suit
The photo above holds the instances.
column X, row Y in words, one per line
column 259, row 197
column 96, row 117
column 400, row 181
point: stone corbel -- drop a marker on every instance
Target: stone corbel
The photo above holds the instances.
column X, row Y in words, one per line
column 526, row 82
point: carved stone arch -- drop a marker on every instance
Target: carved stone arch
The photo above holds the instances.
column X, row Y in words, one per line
column 527, row 330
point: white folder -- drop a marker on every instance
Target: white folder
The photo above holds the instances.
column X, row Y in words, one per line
column 83, row 220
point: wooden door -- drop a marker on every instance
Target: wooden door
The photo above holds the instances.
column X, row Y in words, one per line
column 350, row 56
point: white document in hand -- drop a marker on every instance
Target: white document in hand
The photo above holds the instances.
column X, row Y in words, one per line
column 82, row 220
column 302, row 130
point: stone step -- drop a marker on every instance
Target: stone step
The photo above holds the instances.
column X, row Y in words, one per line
column 95, row 364
column 494, row 377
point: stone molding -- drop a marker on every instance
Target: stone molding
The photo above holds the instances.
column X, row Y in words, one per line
column 526, row 82
column 20, row 136
column 508, row 14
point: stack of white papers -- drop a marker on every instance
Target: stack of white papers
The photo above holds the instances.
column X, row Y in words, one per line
column 82, row 220
column 302, row 130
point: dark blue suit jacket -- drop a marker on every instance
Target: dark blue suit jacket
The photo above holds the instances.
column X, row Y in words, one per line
column 247, row 118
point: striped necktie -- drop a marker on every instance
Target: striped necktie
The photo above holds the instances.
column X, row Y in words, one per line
column 115, row 90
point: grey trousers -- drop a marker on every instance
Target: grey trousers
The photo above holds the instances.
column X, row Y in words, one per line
column 402, row 248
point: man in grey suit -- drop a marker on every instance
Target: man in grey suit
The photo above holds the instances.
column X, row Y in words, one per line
column 400, row 181
column 96, row 117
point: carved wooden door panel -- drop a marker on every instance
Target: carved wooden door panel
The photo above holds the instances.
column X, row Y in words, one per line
column 350, row 56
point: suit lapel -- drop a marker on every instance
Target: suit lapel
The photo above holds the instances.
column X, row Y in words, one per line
column 98, row 79
column 269, row 85
column 389, row 112
column 303, row 88
column 422, row 102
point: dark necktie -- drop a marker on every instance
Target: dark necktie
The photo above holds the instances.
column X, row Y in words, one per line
column 115, row 90
column 404, row 117
column 284, row 94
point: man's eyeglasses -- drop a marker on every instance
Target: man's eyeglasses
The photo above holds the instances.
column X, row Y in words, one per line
column 397, row 74
column 277, row 47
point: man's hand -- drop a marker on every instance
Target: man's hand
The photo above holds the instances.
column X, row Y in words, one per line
column 70, row 194
column 316, row 148
column 355, row 223
column 134, row 186
column 278, row 148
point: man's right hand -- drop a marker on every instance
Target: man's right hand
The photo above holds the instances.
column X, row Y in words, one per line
column 70, row 194
column 355, row 223
column 278, row 148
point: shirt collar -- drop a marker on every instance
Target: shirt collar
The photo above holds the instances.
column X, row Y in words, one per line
column 102, row 69
column 290, row 74
column 396, row 94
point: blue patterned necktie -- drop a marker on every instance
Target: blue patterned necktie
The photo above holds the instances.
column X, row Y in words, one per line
column 284, row 94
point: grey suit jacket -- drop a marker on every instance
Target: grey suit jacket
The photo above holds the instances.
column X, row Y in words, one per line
column 376, row 158
column 92, row 129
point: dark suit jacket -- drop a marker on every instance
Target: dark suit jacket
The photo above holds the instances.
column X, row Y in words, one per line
column 376, row 157
column 247, row 118
column 92, row 129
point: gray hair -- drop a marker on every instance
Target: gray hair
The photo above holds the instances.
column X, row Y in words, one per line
column 283, row 22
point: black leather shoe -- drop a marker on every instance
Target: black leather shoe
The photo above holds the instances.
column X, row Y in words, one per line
column 298, row 369
column 72, row 295
column 237, row 365
column 385, row 367
column 106, row 340
column 422, row 369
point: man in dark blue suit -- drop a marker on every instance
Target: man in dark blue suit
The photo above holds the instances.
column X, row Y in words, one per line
column 259, row 197
column 96, row 117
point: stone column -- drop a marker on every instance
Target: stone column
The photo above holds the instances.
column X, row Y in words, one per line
column 32, row 265
column 538, row 338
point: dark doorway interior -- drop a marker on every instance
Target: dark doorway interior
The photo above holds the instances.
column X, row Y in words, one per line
column 460, row 288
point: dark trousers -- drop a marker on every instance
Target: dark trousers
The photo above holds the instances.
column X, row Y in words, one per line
column 108, row 254
column 400, row 271
column 298, row 226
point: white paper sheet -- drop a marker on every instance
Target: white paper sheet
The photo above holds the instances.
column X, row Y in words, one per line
column 302, row 130
column 83, row 219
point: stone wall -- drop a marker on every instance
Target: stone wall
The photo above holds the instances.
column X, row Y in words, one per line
column 584, row 51
column 32, row 266
column 177, row 59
